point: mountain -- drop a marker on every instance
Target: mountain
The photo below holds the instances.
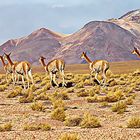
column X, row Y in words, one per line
column 130, row 21
column 40, row 42
column 101, row 40
column 112, row 40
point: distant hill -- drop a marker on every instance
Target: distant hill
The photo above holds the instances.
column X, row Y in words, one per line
column 112, row 40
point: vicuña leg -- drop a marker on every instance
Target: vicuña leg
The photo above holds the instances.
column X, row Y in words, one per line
column 54, row 79
column 23, row 82
column 96, row 77
column 28, row 80
column 51, row 78
column 13, row 75
column 31, row 77
column 63, row 77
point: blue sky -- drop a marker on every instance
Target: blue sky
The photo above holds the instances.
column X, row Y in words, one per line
column 20, row 18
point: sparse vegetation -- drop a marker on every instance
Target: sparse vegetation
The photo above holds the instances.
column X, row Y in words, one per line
column 73, row 121
column 90, row 121
column 5, row 127
column 38, row 106
column 58, row 114
column 133, row 122
column 119, row 107
column 34, row 127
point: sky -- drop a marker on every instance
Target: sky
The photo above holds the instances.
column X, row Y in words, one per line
column 19, row 18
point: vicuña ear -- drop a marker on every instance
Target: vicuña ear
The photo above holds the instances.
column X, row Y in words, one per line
column 9, row 54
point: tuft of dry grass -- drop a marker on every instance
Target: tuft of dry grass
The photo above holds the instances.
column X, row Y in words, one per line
column 34, row 127
column 69, row 136
column 38, row 106
column 133, row 122
column 17, row 91
column 79, row 85
column 28, row 98
column 90, row 121
column 58, row 114
column 2, row 87
column 5, row 127
column 119, row 107
column 58, row 103
column 73, row 121
column 42, row 96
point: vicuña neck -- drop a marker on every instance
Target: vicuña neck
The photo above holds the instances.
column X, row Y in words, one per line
column 138, row 53
column 43, row 63
column 87, row 59
column 10, row 61
column 2, row 60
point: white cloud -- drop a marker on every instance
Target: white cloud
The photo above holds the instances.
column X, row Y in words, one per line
column 58, row 6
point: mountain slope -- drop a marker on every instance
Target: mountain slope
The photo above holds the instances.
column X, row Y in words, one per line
column 112, row 40
column 101, row 40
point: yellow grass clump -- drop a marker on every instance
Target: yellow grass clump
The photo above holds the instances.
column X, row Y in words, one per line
column 73, row 121
column 133, row 122
column 90, row 121
column 34, row 127
column 5, row 127
column 119, row 107
column 58, row 114
column 38, row 106
column 69, row 136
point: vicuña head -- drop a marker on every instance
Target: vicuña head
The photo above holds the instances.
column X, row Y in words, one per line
column 135, row 51
column 83, row 55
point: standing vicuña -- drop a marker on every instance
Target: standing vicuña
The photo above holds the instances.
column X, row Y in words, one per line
column 7, row 67
column 23, row 68
column 52, row 68
column 97, row 66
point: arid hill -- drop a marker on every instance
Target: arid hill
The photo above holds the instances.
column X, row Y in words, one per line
column 112, row 40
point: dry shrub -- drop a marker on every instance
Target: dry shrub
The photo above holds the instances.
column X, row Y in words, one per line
column 92, row 99
column 69, row 136
column 133, row 122
column 61, row 95
column 82, row 94
column 87, row 82
column 129, row 101
column 34, row 127
column 38, row 106
column 79, row 85
column 119, row 107
column 70, row 90
column 58, row 104
column 28, row 98
column 17, row 91
column 104, row 104
column 5, row 127
column 90, row 121
column 115, row 96
column 2, row 87
column 73, row 121
column 58, row 114
column 96, row 98
column 42, row 96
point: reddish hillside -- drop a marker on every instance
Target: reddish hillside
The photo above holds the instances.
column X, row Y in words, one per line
column 112, row 40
